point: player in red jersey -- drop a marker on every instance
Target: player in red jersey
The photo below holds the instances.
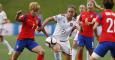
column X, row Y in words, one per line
column 107, row 38
column 86, row 35
column 30, row 23
column 82, row 8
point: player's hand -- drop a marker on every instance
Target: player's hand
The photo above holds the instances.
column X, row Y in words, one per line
column 38, row 29
column 19, row 11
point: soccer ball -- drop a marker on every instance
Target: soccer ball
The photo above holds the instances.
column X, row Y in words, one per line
column 50, row 41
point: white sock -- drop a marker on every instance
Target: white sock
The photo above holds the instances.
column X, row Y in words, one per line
column 5, row 42
column 57, row 56
column 74, row 52
column 87, row 55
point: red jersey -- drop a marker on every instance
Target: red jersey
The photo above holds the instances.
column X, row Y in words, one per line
column 87, row 30
column 29, row 24
column 107, row 20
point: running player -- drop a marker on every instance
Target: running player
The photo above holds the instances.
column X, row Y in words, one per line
column 65, row 24
column 86, row 35
column 4, row 20
column 82, row 8
column 107, row 38
column 30, row 23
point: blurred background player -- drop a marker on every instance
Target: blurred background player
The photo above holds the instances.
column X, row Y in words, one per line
column 4, row 20
column 86, row 35
column 30, row 23
column 65, row 23
column 82, row 8
column 107, row 38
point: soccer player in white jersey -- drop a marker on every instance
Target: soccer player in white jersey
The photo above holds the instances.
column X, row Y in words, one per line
column 82, row 8
column 65, row 24
column 3, row 20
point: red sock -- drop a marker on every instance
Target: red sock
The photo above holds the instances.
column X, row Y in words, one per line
column 80, row 55
column 40, row 57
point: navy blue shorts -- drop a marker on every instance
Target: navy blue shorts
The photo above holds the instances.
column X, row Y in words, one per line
column 26, row 43
column 104, row 47
column 85, row 41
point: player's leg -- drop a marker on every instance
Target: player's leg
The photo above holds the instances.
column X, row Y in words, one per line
column 18, row 49
column 74, row 50
column 100, row 51
column 15, row 55
column 1, row 38
column 81, row 45
column 112, row 50
column 66, row 49
column 5, row 42
column 89, row 44
column 35, row 47
column 67, row 56
column 40, row 51
column 74, row 47
column 57, row 52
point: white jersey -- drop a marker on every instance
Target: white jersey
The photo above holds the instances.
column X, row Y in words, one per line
column 2, row 17
column 63, row 27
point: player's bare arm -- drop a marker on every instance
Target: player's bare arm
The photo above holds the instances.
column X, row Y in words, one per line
column 44, row 31
column 47, row 20
column 97, row 6
column 95, row 25
column 19, row 13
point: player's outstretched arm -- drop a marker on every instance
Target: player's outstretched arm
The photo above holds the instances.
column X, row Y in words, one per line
column 19, row 13
column 44, row 31
column 98, row 6
column 47, row 20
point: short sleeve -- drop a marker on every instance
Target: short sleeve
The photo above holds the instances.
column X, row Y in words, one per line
column 4, row 15
column 57, row 17
column 39, row 22
column 23, row 18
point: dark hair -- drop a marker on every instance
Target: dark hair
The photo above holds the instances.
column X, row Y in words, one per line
column 108, row 4
column 72, row 6
column 75, row 15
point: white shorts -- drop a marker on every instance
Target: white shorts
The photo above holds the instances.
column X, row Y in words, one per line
column 99, row 30
column 1, row 29
column 65, row 47
column 76, row 36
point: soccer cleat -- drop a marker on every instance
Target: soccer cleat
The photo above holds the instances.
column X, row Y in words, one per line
column 10, row 52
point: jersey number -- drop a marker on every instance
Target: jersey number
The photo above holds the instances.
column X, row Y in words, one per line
column 112, row 23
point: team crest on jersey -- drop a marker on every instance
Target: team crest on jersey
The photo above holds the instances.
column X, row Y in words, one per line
column 71, row 24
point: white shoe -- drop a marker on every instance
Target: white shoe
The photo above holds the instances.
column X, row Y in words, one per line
column 10, row 52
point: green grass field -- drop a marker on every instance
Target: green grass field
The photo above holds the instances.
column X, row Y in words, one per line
column 27, row 55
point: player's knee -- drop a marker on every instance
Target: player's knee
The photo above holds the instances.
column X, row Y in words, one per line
column 80, row 48
column 1, row 38
column 42, row 51
column 56, row 49
column 113, row 58
column 94, row 56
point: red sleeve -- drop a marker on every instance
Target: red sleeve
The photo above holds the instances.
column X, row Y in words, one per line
column 99, row 18
column 23, row 18
column 39, row 22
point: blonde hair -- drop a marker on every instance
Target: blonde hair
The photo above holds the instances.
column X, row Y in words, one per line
column 34, row 5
